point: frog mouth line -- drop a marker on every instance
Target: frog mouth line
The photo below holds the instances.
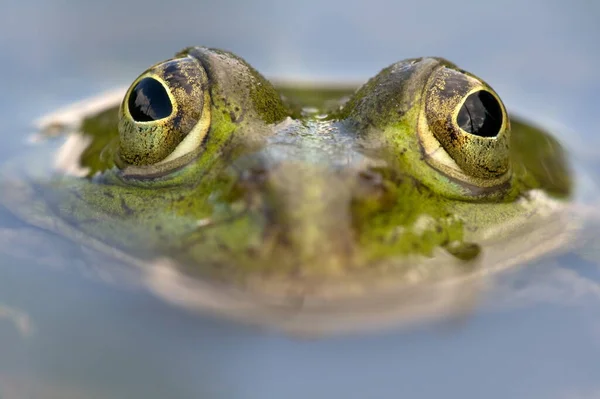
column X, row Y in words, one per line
column 479, row 192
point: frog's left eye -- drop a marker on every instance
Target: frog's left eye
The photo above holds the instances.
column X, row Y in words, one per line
column 165, row 113
column 467, row 131
column 149, row 101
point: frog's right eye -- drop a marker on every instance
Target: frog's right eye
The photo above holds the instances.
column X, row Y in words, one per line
column 165, row 113
column 465, row 131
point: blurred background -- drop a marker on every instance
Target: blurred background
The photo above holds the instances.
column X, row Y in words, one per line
column 541, row 56
column 67, row 336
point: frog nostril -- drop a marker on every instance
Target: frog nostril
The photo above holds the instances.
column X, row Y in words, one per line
column 371, row 184
column 149, row 101
column 249, row 182
column 480, row 115
column 253, row 177
column 371, row 176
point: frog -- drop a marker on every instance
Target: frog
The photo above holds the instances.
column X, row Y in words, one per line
column 312, row 208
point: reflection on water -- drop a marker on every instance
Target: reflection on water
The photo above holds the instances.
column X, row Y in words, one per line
column 65, row 332
column 97, row 339
column 19, row 319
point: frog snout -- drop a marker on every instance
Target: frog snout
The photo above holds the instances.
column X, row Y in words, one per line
column 307, row 212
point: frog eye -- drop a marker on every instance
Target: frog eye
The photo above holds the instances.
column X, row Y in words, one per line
column 470, row 128
column 149, row 101
column 480, row 114
column 165, row 114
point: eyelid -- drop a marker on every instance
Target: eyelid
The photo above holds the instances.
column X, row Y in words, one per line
column 477, row 160
column 147, row 141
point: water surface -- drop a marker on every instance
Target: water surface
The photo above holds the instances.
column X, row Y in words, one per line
column 65, row 332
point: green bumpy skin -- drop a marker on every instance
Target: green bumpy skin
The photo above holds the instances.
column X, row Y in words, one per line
column 272, row 192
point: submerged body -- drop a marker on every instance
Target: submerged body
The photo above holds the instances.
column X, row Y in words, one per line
column 414, row 179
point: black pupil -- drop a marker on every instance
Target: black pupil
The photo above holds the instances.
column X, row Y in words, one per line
column 149, row 101
column 480, row 115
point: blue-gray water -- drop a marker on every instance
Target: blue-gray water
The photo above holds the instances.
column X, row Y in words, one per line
column 79, row 337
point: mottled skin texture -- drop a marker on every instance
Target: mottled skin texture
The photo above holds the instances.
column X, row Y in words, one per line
column 383, row 182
